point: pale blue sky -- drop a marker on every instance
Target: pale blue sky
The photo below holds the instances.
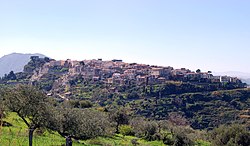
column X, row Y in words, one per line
column 210, row 35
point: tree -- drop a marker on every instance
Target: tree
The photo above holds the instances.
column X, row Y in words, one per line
column 30, row 105
column 145, row 128
column 2, row 110
column 11, row 76
column 177, row 119
column 79, row 124
column 120, row 117
column 82, row 63
column 198, row 71
column 133, row 95
column 180, row 139
column 46, row 59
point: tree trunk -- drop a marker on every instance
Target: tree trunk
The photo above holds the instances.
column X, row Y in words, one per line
column 31, row 131
column 117, row 128
column 68, row 141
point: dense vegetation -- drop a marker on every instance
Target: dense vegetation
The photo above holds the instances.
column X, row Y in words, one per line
column 38, row 111
column 200, row 107
column 171, row 113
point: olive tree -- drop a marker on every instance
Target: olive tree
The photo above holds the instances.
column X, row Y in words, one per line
column 30, row 105
column 119, row 117
column 1, row 106
column 144, row 128
column 79, row 124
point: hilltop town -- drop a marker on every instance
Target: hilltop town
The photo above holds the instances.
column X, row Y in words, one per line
column 119, row 72
column 147, row 90
column 58, row 76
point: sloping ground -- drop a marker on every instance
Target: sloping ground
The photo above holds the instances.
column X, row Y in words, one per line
column 203, row 110
column 17, row 135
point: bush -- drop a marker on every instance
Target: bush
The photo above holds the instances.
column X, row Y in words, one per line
column 95, row 142
column 133, row 95
column 145, row 129
column 230, row 135
column 134, row 142
column 177, row 135
column 168, row 140
column 85, row 104
column 180, row 139
column 126, row 130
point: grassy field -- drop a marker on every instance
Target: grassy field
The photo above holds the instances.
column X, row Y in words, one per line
column 17, row 135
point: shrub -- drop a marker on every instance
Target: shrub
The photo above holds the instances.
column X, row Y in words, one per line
column 168, row 140
column 180, row 139
column 145, row 129
column 134, row 142
column 126, row 130
column 95, row 142
column 230, row 135
column 85, row 104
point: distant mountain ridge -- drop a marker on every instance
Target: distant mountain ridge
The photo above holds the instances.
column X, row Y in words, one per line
column 234, row 73
column 15, row 62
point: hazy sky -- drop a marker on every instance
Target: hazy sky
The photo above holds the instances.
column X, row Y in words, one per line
column 210, row 35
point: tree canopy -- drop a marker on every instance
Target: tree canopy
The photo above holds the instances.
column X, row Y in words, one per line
column 30, row 104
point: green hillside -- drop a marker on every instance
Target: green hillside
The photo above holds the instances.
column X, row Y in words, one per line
column 97, row 102
column 17, row 135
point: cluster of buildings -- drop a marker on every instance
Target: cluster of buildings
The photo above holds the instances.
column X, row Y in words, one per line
column 119, row 72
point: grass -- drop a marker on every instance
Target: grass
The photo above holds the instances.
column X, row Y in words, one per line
column 119, row 140
column 202, row 143
column 17, row 135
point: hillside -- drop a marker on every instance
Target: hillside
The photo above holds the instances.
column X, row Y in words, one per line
column 17, row 134
column 15, row 62
column 155, row 92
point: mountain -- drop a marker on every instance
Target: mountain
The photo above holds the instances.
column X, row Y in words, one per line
column 246, row 81
column 15, row 62
column 238, row 74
